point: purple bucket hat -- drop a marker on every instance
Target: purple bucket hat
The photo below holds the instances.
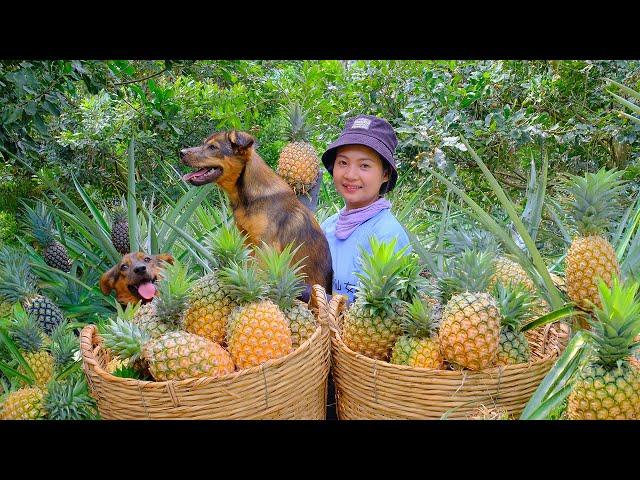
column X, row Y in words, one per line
column 371, row 131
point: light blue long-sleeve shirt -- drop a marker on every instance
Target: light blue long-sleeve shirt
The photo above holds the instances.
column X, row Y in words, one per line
column 345, row 254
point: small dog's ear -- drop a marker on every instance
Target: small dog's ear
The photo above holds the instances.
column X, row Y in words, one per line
column 240, row 141
column 165, row 257
column 108, row 279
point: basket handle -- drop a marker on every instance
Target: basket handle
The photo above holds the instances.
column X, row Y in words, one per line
column 318, row 303
column 86, row 343
column 336, row 308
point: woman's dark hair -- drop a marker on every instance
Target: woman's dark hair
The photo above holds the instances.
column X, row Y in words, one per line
column 386, row 168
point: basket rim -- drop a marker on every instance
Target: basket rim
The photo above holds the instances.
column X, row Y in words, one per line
column 90, row 332
column 337, row 306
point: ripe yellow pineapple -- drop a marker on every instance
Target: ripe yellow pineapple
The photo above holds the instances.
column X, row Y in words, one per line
column 418, row 347
column 371, row 324
column 257, row 330
column 608, row 387
column 284, row 283
column 509, row 272
column 298, row 164
column 590, row 255
column 209, row 303
column 470, row 329
column 23, row 404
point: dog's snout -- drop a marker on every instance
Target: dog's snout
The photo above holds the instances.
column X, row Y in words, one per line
column 140, row 269
column 183, row 152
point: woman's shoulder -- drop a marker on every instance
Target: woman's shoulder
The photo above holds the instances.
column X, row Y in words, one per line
column 330, row 223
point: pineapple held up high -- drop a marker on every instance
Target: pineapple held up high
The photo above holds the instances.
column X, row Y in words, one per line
column 298, row 164
column 40, row 222
column 608, row 387
column 590, row 255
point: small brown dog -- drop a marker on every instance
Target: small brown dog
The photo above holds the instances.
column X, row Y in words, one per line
column 134, row 276
column 264, row 206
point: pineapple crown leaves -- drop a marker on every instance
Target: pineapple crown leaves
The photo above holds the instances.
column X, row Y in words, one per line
column 64, row 345
column 515, row 303
column 125, row 339
column 129, row 312
column 120, row 211
column 414, row 283
column 228, row 245
column 39, row 221
column 25, row 331
column 380, row 279
column 469, row 271
column 173, row 291
column 593, row 204
column 17, row 281
column 283, row 278
column 69, row 400
column 244, row 282
column 471, row 239
column 298, row 131
column 418, row 321
column 617, row 323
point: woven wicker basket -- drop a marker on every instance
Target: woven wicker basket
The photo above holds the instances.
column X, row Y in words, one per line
column 291, row 387
column 373, row 389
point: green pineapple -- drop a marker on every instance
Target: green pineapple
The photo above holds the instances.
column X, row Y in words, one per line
column 285, row 283
column 516, row 304
column 209, row 303
column 372, row 323
column 41, row 223
column 608, row 387
column 419, row 346
column 120, row 228
column 17, row 285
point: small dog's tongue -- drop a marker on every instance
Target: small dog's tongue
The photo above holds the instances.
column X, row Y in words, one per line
column 188, row 176
column 147, row 290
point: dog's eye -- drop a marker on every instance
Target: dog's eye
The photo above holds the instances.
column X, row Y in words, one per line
column 147, row 259
column 124, row 267
column 212, row 147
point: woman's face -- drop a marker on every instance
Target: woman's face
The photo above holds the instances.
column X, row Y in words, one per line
column 358, row 174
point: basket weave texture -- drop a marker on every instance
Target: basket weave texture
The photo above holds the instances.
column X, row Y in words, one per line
column 368, row 389
column 291, row 387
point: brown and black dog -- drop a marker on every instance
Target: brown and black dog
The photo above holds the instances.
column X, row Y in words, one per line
column 264, row 206
column 133, row 278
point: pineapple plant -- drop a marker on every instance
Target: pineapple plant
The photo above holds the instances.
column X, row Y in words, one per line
column 28, row 336
column 371, row 324
column 470, row 327
column 120, row 228
column 515, row 304
column 608, row 387
column 40, row 221
column 175, row 355
column 298, row 163
column 284, row 283
column 591, row 255
column 419, row 346
column 209, row 302
column 257, row 330
column 17, row 284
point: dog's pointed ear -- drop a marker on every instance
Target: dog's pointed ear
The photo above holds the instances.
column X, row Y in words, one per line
column 108, row 279
column 241, row 142
column 165, row 257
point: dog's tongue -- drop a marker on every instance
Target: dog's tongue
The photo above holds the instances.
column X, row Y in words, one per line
column 189, row 176
column 147, row 290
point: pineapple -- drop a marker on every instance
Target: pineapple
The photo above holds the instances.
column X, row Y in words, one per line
column 17, row 284
column 41, row 223
column 176, row 355
column 29, row 338
column 285, row 283
column 516, row 304
column 64, row 346
column 509, row 272
column 69, row 400
column 590, row 255
column 372, row 323
column 257, row 329
column 608, row 387
column 209, row 303
column 23, row 404
column 419, row 346
column 120, row 229
column 470, row 328
column 298, row 164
